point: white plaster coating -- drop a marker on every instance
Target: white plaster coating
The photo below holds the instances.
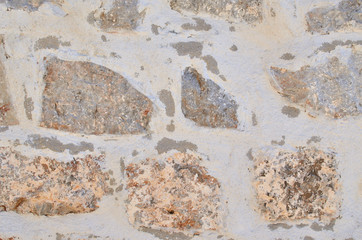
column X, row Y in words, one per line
column 246, row 71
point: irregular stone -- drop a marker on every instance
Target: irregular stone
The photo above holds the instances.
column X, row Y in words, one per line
column 200, row 25
column 167, row 99
column 332, row 87
column 211, row 64
column 297, row 185
column 328, row 19
column 88, row 98
column 166, row 144
column 123, row 14
column 287, row 56
column 50, row 42
column 173, row 193
column 205, row 103
column 29, row 5
column 328, row 47
column 28, row 105
column 44, row 186
column 290, row 111
column 7, row 111
column 249, row 11
column 38, row 142
column 193, row 49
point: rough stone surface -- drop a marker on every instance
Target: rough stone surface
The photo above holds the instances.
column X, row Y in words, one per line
column 241, row 10
column 332, row 87
column 328, row 19
column 297, row 185
column 7, row 113
column 88, row 98
column 28, row 5
column 43, row 186
column 123, row 14
column 205, row 103
column 173, row 192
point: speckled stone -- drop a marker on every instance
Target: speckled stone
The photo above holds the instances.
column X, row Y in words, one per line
column 123, row 14
column 297, row 185
column 88, row 98
column 332, row 87
column 44, row 186
column 173, row 193
column 348, row 13
column 206, row 103
column 249, row 10
column 7, row 112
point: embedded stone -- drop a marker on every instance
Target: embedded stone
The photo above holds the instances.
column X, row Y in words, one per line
column 84, row 97
column 206, row 103
column 7, row 111
column 332, row 87
column 173, row 193
column 249, row 11
column 44, row 186
column 122, row 14
column 297, row 185
column 29, row 5
column 334, row 18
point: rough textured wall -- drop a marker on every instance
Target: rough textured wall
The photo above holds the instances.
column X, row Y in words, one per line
column 180, row 119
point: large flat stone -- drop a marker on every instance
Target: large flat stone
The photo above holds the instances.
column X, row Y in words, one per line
column 247, row 10
column 331, row 87
column 44, row 186
column 173, row 193
column 297, row 185
column 348, row 13
column 88, row 98
column 206, row 103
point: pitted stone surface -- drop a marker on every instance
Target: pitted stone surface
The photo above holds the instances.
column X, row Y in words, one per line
column 123, row 14
column 88, row 98
column 348, row 13
column 297, row 185
column 173, row 192
column 206, row 103
column 44, row 186
column 241, row 10
column 332, row 87
column 7, row 113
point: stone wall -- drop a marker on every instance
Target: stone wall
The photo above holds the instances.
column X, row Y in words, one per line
column 180, row 119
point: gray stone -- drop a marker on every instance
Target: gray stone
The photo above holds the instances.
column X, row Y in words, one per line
column 332, row 87
column 249, row 10
column 38, row 142
column 29, row 5
column 206, row 103
column 167, row 99
column 123, row 14
column 193, row 49
column 50, row 42
column 200, row 25
column 166, row 144
column 88, row 98
column 328, row 19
